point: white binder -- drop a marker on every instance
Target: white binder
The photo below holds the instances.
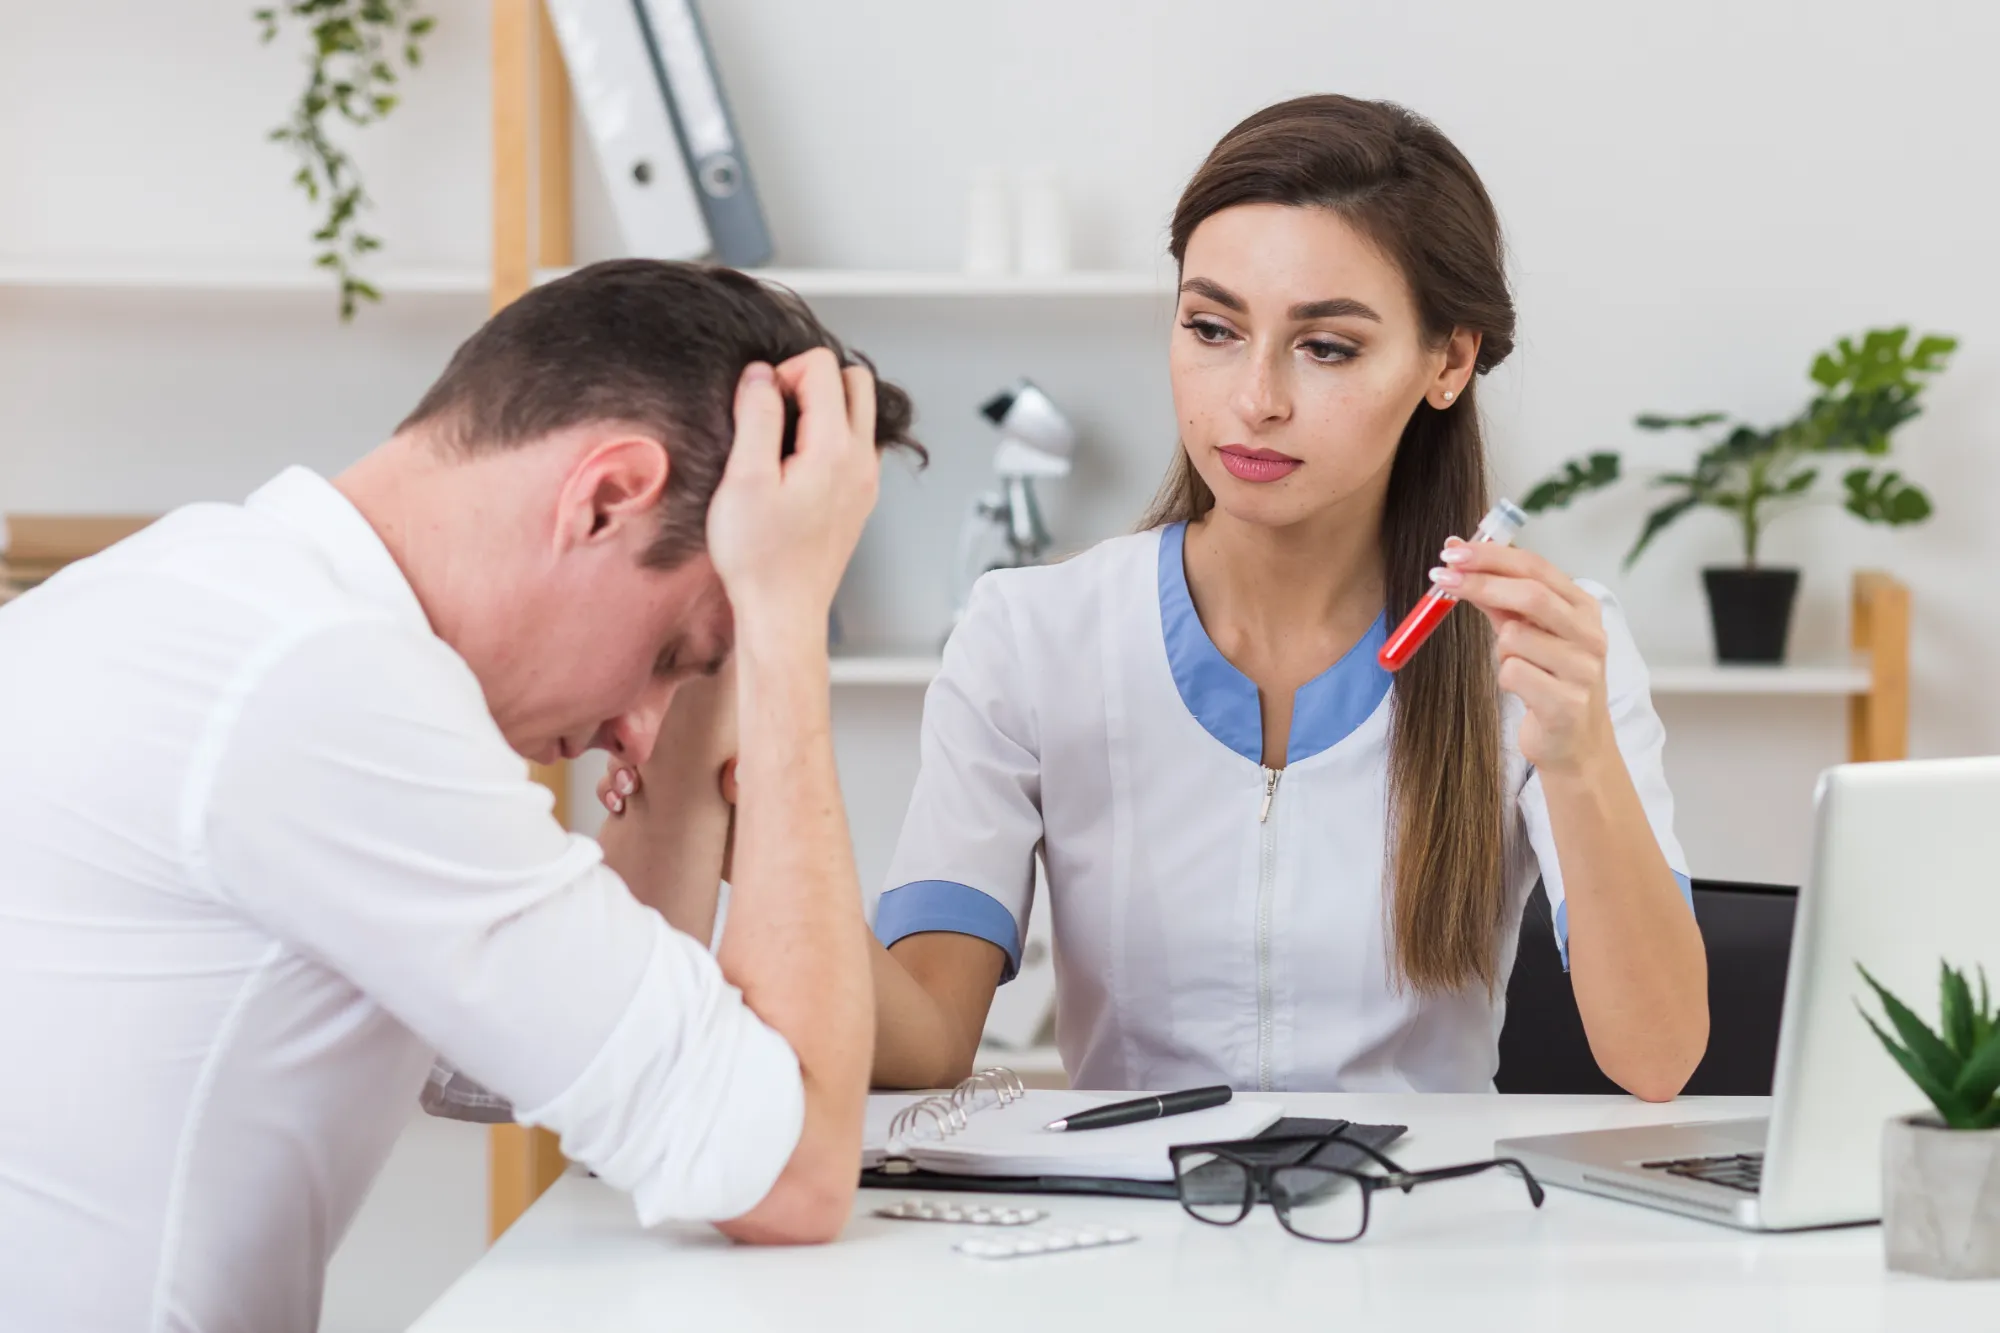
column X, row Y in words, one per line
column 611, row 72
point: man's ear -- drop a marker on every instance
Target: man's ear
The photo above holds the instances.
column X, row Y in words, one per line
column 614, row 490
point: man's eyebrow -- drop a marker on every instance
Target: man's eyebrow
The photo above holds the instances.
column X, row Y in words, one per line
column 1335, row 308
column 1215, row 292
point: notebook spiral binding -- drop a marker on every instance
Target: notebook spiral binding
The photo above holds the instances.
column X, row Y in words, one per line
column 946, row 1113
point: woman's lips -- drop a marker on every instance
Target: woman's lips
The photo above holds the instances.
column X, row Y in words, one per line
column 1257, row 464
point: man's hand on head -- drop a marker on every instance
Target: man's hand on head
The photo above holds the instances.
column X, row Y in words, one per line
column 781, row 530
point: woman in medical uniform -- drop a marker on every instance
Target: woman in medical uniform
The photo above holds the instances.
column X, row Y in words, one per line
column 1270, row 862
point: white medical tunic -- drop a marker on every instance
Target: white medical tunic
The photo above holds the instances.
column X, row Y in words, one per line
column 1215, row 921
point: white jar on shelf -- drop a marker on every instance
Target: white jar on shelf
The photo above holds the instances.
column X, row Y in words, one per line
column 1044, row 241
column 989, row 240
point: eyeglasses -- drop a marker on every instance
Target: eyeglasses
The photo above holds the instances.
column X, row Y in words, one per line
column 1219, row 1183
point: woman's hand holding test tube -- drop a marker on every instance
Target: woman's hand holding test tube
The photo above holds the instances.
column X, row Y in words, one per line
column 1550, row 635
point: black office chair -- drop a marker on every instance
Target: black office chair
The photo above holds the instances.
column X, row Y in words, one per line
column 1748, row 931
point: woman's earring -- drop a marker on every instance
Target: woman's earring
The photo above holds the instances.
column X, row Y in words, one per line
column 1449, row 395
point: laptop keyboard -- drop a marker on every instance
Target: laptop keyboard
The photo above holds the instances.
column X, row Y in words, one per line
column 1744, row 1171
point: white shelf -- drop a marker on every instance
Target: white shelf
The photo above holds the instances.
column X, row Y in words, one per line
column 301, row 278
column 884, row 670
column 836, row 282
column 305, row 279
column 1837, row 679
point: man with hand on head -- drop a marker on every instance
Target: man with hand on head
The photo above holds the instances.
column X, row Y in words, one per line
column 270, row 844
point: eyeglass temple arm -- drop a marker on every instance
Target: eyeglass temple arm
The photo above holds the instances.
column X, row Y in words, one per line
column 1407, row 1179
column 1379, row 1158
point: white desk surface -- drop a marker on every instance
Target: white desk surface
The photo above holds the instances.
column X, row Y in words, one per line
column 1466, row 1256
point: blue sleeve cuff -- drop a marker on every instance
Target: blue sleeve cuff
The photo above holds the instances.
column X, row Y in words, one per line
column 1562, row 916
column 942, row 904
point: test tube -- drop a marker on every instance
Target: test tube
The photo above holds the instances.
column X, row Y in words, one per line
column 1500, row 525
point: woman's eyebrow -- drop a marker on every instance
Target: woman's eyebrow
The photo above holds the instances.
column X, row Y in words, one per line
column 1338, row 307
column 1217, row 293
column 1332, row 308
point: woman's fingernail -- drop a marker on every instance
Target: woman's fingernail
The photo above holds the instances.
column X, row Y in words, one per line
column 624, row 782
column 615, row 803
column 1452, row 555
column 1446, row 578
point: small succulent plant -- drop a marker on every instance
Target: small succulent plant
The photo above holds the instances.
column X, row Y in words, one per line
column 1957, row 1068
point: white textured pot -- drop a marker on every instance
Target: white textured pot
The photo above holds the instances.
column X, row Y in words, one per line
column 1940, row 1198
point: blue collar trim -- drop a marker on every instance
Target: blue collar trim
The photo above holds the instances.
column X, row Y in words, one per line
column 1224, row 700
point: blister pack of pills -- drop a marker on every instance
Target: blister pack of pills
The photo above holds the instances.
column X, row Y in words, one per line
column 978, row 1215
column 1051, row 1241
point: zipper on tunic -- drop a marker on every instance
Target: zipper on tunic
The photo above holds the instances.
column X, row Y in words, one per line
column 1267, row 874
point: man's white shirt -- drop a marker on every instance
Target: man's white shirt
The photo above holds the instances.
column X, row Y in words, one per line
column 263, row 853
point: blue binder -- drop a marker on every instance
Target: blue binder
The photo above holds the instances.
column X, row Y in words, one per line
column 708, row 138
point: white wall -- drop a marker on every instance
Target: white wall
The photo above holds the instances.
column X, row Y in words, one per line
column 1697, row 195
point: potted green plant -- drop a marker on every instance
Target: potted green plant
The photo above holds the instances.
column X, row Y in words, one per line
column 1941, row 1173
column 1866, row 390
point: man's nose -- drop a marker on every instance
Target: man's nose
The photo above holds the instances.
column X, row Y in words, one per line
column 634, row 732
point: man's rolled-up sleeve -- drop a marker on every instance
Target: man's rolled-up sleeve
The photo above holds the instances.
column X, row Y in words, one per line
column 696, row 1128
column 359, row 803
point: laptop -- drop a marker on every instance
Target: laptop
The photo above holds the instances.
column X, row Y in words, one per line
column 1905, row 872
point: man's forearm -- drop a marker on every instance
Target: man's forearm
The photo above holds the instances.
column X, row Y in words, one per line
column 797, row 943
column 780, row 531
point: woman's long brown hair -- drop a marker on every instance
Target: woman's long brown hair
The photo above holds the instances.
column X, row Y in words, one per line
column 1395, row 178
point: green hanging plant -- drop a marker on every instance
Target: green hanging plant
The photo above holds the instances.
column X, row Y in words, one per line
column 355, row 45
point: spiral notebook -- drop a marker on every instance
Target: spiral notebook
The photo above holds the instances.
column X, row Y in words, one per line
column 990, row 1125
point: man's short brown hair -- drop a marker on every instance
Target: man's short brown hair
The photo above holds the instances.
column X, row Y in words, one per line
column 649, row 343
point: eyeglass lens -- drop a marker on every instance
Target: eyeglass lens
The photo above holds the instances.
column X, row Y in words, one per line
column 1214, row 1188
column 1318, row 1203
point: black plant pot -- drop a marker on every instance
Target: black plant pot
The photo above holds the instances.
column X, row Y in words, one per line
column 1751, row 611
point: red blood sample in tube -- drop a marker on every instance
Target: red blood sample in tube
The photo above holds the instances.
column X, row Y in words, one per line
column 1406, row 638
column 1502, row 521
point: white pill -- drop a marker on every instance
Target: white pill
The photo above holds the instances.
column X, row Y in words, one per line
column 1059, row 1241
column 979, row 1215
column 1089, row 1238
column 952, row 1215
column 1028, row 1245
column 1117, row 1236
column 984, row 1249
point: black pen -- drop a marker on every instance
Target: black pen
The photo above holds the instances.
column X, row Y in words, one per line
column 1143, row 1108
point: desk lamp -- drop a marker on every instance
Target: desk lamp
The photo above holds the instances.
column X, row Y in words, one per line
column 1036, row 441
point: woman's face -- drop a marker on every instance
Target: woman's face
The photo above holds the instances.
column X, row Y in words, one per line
column 1297, row 361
